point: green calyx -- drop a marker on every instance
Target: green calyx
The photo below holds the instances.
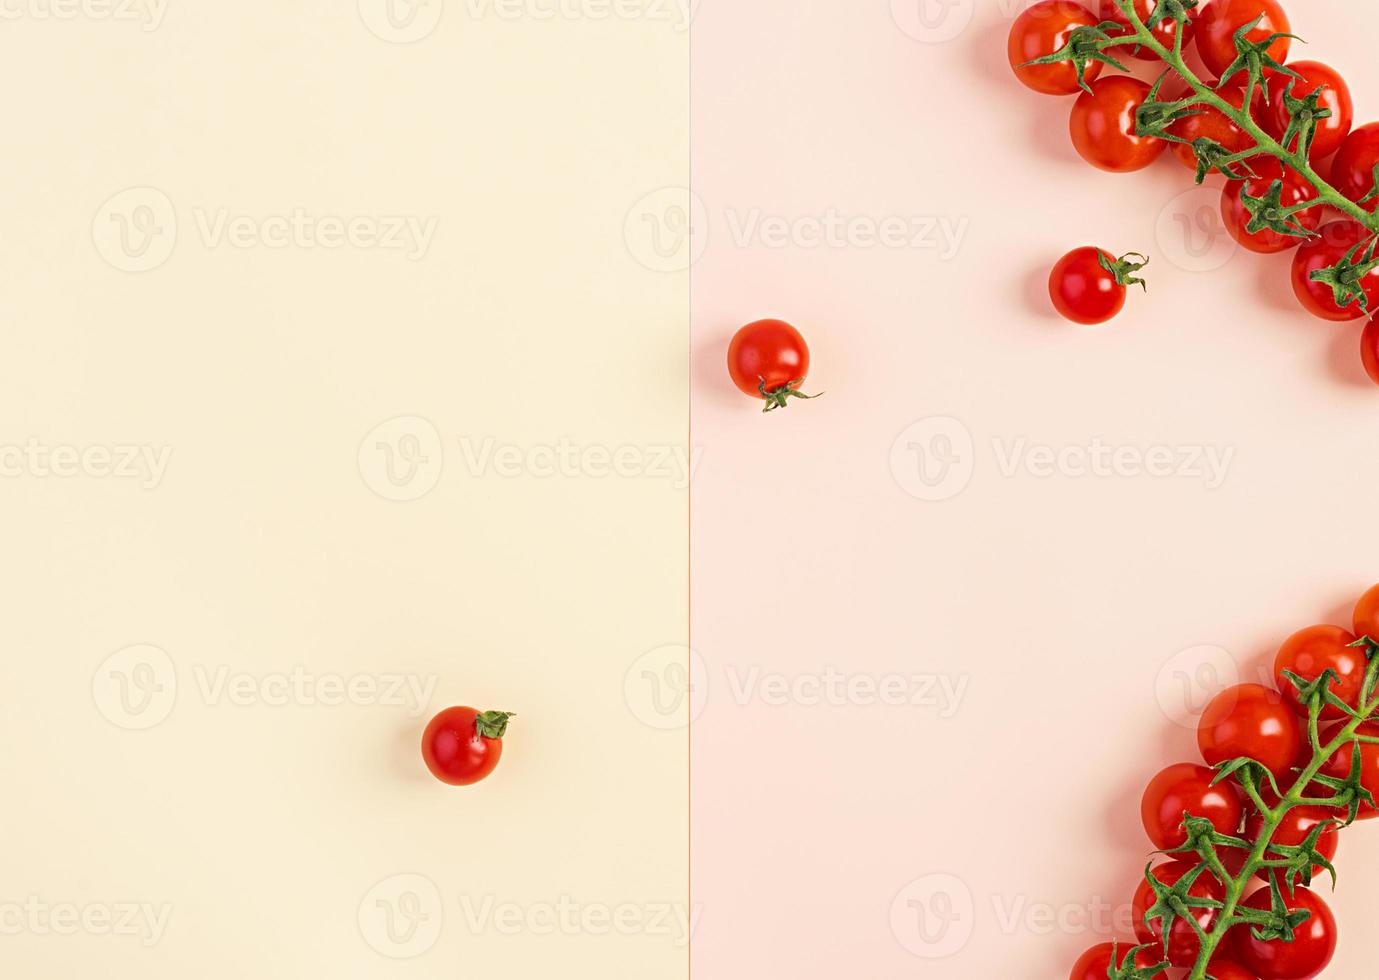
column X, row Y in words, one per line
column 1125, row 267
column 1268, row 212
column 1253, row 56
column 1125, row 968
column 1346, row 277
column 493, row 724
column 780, row 397
column 1085, row 46
column 1303, row 116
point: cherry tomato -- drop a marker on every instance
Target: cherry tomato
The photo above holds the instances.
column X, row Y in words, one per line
column 1183, row 945
column 1088, row 284
column 1292, row 832
column 1307, row 653
column 1103, row 126
column 1329, row 133
column 1212, row 124
column 1366, row 618
column 1333, row 242
column 1218, row 23
column 1340, row 764
column 1096, row 963
column 1352, row 168
column 1254, row 721
column 1229, row 970
column 1369, row 350
column 1041, row 30
column 769, row 359
column 461, row 746
column 1164, row 31
column 1296, row 190
column 1185, row 788
column 1313, row 945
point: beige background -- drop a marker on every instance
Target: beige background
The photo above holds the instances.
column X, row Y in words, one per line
column 280, row 817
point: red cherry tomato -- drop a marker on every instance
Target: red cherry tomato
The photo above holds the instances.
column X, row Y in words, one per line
column 769, row 359
column 1228, row 970
column 1096, row 963
column 1352, row 168
column 1292, row 832
column 1310, row 952
column 1084, row 290
column 1341, row 763
column 1310, row 652
column 462, row 746
column 1251, row 720
column 1164, row 31
column 1329, row 133
column 1217, row 25
column 1333, row 242
column 1296, row 190
column 1041, row 30
column 1185, row 788
column 1183, row 945
column 1103, row 126
column 1369, row 350
column 1366, row 618
column 1212, row 124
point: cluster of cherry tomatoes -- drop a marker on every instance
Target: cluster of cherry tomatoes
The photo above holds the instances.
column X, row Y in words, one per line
column 1103, row 129
column 1268, row 724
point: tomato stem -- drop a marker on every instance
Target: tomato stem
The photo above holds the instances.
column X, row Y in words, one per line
column 780, row 397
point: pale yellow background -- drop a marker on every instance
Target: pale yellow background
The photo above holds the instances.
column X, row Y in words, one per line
column 535, row 316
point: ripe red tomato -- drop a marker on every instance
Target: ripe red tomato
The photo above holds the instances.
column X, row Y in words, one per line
column 1103, row 126
column 1185, row 788
column 1084, row 290
column 1366, row 618
column 1352, row 168
column 1369, row 350
column 462, row 746
column 1313, row 945
column 769, row 359
column 1217, row 25
column 1296, row 190
column 1041, row 30
column 1164, row 31
column 1329, row 133
column 1333, row 242
column 1096, row 963
column 1340, row 764
column 1254, row 721
column 1228, row 970
column 1183, row 945
column 1309, row 652
column 1214, row 125
column 1292, row 832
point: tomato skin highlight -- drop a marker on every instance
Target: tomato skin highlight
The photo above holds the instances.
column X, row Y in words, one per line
column 1369, row 350
column 1095, row 964
column 1366, row 618
column 1310, row 652
column 1333, row 241
column 1183, row 946
column 1296, row 190
column 1187, row 788
column 1083, row 290
column 1352, row 168
column 1102, row 126
column 454, row 750
column 1292, row 832
column 1310, row 952
column 1254, row 721
column 1164, row 31
column 1327, row 134
column 1340, row 764
column 1217, row 24
column 1041, row 30
column 770, row 351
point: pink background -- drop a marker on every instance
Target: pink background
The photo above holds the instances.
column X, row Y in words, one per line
column 1066, row 602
